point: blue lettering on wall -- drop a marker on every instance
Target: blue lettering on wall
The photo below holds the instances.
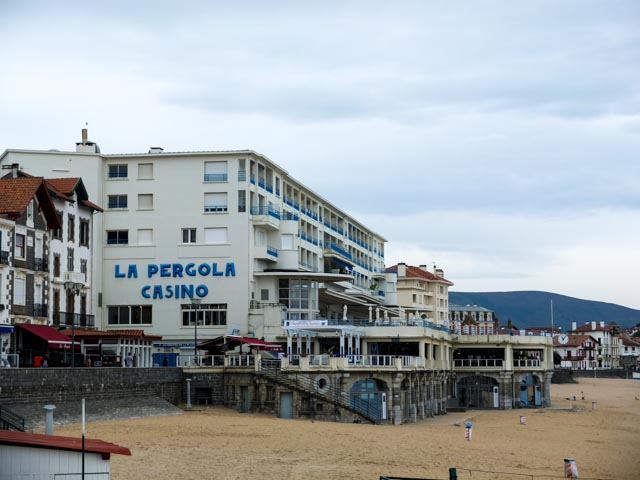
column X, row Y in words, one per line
column 145, row 291
column 215, row 272
column 119, row 274
column 152, row 269
column 202, row 291
column 189, row 269
column 177, row 270
column 132, row 272
column 204, row 269
column 165, row 269
column 230, row 270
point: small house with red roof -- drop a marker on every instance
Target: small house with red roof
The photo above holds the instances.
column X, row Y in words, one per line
column 36, row 456
column 27, row 214
column 578, row 351
column 608, row 353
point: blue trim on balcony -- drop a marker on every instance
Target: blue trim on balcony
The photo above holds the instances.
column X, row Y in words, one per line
column 340, row 250
column 215, row 177
column 272, row 251
column 266, row 211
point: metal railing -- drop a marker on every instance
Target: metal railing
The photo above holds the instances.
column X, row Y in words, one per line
column 324, row 391
column 4, row 257
column 10, row 420
column 64, row 319
column 526, row 363
column 215, row 177
column 266, row 210
column 41, row 265
column 478, row 362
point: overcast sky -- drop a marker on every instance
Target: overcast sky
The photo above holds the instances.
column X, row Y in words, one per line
column 499, row 140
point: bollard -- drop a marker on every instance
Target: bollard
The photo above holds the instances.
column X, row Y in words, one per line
column 48, row 419
column 523, row 420
column 453, row 474
column 189, row 393
column 593, row 405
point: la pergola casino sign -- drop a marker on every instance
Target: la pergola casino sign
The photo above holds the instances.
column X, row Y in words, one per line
column 175, row 270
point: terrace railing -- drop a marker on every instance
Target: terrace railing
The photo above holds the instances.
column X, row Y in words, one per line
column 478, row 362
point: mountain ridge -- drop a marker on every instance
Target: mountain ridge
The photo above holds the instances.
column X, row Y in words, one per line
column 532, row 308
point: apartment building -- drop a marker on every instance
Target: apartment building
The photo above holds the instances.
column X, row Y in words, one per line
column 607, row 338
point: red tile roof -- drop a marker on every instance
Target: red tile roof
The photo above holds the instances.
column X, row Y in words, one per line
column 16, row 193
column 64, row 185
column 417, row 272
column 574, row 341
column 587, row 327
column 55, row 442
column 92, row 205
column 630, row 341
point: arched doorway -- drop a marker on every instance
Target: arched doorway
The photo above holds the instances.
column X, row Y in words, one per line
column 530, row 392
column 368, row 396
column 478, row 391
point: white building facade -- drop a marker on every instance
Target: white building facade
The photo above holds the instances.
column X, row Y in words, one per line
column 231, row 229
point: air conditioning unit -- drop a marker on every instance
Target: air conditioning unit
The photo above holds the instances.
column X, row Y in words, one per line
column 75, row 277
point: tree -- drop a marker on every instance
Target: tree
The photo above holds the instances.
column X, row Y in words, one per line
column 557, row 358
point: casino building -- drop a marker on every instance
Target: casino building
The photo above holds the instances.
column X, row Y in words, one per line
column 202, row 247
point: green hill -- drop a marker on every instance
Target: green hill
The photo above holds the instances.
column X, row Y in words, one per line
column 533, row 309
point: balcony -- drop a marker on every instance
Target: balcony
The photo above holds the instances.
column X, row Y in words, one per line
column 266, row 252
column 478, row 363
column 75, row 277
column 215, row 177
column 4, row 257
column 286, row 215
column 40, row 310
column 41, row 265
column 337, row 249
column 64, row 319
column 528, row 363
column 266, row 216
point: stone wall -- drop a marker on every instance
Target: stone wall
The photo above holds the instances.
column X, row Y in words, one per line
column 52, row 385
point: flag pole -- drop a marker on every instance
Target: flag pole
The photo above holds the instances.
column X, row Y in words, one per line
column 83, row 439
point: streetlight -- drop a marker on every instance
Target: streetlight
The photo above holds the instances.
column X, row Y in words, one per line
column 73, row 288
column 195, row 303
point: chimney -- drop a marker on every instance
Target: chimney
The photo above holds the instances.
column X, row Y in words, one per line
column 402, row 269
column 48, row 419
column 574, row 325
column 593, row 325
column 14, row 170
column 439, row 272
column 424, row 267
column 602, row 323
column 156, row 149
column 85, row 146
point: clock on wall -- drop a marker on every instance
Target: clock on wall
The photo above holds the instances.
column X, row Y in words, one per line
column 563, row 339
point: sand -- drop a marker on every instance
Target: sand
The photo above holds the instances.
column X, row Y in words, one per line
column 215, row 442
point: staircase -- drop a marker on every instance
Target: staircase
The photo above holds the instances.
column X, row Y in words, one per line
column 270, row 369
column 11, row 421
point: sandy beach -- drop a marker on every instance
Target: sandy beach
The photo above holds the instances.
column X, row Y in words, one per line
column 220, row 443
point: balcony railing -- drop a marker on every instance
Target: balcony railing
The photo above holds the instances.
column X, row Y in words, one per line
column 40, row 265
column 340, row 250
column 273, row 251
column 526, row 363
column 40, row 310
column 286, row 215
column 268, row 210
column 4, row 258
column 215, row 177
column 478, row 362
column 65, row 319
column 215, row 208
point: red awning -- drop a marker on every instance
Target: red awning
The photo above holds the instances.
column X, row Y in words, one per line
column 53, row 337
column 254, row 342
column 216, row 344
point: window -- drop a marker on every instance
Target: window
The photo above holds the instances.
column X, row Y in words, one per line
column 118, row 171
column 215, row 235
column 30, row 210
column 117, row 201
column 130, row 315
column 287, row 241
column 57, row 232
column 56, row 264
column 242, row 201
column 145, row 236
column 70, row 261
column 145, row 201
column 264, row 295
column 188, row 235
column 215, row 171
column 145, row 171
column 215, row 202
column 71, row 228
column 19, row 290
column 118, row 237
column 84, row 233
column 209, row 315
column 83, row 268
column 20, row 250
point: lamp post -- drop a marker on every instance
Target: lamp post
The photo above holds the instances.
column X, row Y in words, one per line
column 195, row 303
column 75, row 289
